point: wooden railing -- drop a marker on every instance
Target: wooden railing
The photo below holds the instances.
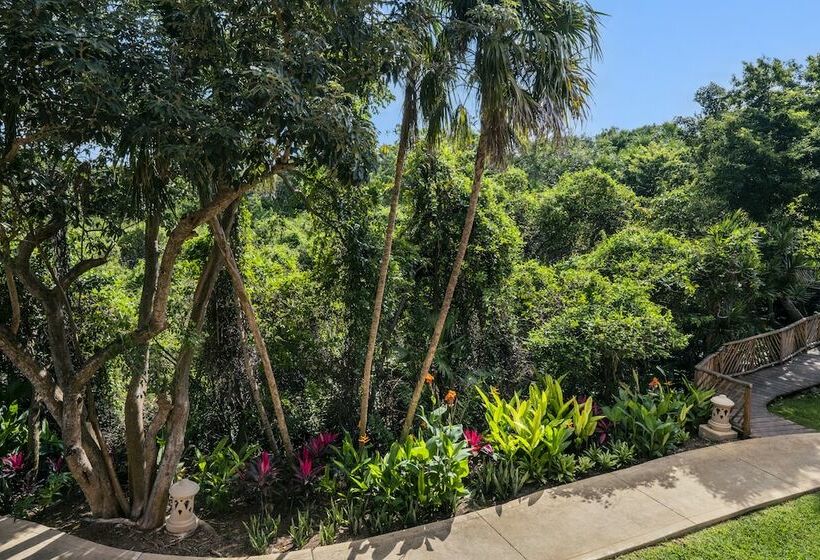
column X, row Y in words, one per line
column 721, row 369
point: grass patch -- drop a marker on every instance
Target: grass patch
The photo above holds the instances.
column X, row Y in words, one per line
column 803, row 408
column 785, row 532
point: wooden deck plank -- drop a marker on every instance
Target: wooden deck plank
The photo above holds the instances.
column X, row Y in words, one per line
column 798, row 374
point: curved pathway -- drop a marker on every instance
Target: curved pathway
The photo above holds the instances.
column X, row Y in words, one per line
column 799, row 373
column 599, row 517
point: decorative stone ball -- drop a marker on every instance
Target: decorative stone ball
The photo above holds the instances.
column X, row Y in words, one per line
column 721, row 408
column 181, row 518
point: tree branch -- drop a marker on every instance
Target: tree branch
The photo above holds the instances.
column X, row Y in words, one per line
column 183, row 231
column 21, row 266
column 35, row 373
column 18, row 143
column 79, row 269
column 108, row 352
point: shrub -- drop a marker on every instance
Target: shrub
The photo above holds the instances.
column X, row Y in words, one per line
column 414, row 480
column 301, row 529
column 498, row 479
column 217, row 471
column 536, row 431
column 655, row 421
column 13, row 431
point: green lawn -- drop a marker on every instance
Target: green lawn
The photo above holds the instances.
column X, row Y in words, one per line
column 803, row 409
column 789, row 531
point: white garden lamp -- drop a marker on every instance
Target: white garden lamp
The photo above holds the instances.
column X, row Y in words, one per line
column 181, row 518
column 718, row 428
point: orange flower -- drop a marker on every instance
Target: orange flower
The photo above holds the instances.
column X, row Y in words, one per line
column 450, row 397
column 428, row 378
column 655, row 383
column 364, row 438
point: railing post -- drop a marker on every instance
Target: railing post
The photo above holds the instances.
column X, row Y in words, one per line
column 747, row 411
column 784, row 347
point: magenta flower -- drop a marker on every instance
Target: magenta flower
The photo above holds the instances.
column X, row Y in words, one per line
column 473, row 439
column 265, row 467
column 13, row 463
column 318, row 444
column 305, row 469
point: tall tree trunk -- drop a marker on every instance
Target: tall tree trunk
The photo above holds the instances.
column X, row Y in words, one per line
column 153, row 514
column 138, row 482
column 14, row 298
column 790, row 308
column 250, row 316
column 247, row 369
column 407, row 123
column 478, row 172
column 33, row 439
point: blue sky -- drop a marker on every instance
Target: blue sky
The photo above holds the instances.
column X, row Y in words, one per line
column 657, row 53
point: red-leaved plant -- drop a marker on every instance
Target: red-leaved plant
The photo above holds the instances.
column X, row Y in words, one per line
column 319, row 444
column 13, row 463
column 306, row 468
column 473, row 439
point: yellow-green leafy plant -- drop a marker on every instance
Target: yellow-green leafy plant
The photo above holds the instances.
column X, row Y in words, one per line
column 536, row 431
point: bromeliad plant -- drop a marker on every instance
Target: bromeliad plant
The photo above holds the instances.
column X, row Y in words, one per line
column 536, row 432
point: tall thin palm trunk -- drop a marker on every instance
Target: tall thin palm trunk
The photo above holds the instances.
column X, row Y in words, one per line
column 250, row 316
column 478, row 173
column 407, row 122
column 247, row 369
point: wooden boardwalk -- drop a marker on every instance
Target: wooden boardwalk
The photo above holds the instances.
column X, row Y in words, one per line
column 799, row 373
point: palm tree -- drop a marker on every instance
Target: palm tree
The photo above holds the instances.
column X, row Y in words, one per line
column 418, row 24
column 530, row 68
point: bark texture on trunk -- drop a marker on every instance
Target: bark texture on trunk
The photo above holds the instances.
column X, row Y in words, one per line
column 478, row 172
column 135, row 441
column 247, row 369
column 153, row 514
column 407, row 123
column 791, row 309
column 247, row 310
column 33, row 438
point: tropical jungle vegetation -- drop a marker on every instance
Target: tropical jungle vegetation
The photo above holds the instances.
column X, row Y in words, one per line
column 209, row 261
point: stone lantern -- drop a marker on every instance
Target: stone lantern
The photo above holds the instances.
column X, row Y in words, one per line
column 182, row 519
column 718, row 428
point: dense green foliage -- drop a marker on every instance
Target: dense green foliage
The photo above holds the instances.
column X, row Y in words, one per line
column 592, row 261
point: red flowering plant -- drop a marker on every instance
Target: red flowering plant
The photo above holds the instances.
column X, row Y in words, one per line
column 475, row 442
column 13, row 464
column 308, row 464
column 319, row 444
column 307, row 469
column 261, row 475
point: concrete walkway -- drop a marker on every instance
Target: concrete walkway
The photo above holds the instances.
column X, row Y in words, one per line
column 799, row 373
column 599, row 517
